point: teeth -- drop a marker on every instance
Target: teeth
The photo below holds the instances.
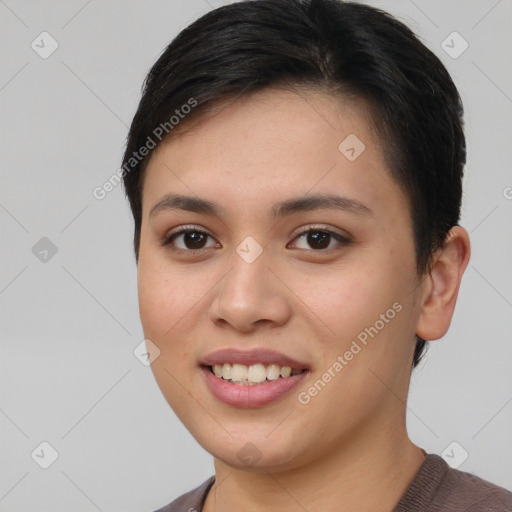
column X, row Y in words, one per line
column 257, row 373
column 226, row 371
column 254, row 374
column 273, row 372
column 286, row 371
column 238, row 372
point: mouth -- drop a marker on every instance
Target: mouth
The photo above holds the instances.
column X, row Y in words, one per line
column 251, row 378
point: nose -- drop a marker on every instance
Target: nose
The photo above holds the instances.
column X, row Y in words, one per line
column 251, row 294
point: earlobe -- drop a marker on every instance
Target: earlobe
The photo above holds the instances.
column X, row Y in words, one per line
column 441, row 286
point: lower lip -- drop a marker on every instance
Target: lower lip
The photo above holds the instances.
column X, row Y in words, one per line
column 246, row 396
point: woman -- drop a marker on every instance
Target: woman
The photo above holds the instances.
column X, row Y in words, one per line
column 297, row 243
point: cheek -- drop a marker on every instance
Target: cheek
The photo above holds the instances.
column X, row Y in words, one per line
column 166, row 301
column 368, row 301
column 157, row 306
column 164, row 309
column 347, row 299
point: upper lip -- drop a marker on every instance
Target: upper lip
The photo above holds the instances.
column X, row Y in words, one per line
column 250, row 357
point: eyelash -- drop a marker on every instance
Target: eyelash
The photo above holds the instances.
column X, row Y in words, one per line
column 343, row 241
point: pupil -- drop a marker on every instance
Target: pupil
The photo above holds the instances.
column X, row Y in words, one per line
column 319, row 238
column 195, row 238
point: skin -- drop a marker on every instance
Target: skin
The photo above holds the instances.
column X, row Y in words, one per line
column 306, row 302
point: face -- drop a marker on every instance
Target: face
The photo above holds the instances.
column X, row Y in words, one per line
column 292, row 266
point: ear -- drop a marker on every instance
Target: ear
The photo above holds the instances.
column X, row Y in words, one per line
column 440, row 286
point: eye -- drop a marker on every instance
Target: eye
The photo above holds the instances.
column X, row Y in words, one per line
column 320, row 239
column 188, row 239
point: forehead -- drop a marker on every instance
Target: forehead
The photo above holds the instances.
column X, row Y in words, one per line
column 272, row 144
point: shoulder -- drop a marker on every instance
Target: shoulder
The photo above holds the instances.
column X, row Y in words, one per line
column 461, row 491
column 474, row 494
column 191, row 501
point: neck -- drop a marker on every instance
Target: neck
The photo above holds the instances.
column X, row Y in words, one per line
column 361, row 475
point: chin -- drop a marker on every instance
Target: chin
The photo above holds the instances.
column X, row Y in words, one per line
column 253, row 452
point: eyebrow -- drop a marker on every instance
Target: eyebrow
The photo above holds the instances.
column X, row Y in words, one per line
column 279, row 210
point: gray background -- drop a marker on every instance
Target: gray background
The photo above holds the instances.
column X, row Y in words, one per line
column 70, row 323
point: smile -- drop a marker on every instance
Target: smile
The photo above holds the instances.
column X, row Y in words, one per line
column 251, row 378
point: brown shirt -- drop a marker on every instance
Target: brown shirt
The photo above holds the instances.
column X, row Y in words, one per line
column 436, row 487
